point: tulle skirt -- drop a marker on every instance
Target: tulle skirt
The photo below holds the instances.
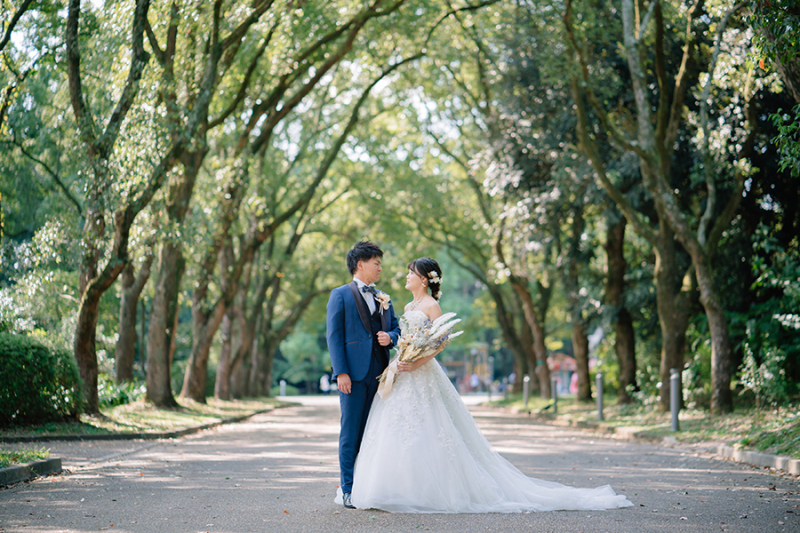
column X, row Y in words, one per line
column 423, row 453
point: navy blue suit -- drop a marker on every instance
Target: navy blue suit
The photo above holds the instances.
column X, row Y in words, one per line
column 354, row 348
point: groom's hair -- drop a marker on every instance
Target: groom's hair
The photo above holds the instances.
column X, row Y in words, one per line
column 362, row 251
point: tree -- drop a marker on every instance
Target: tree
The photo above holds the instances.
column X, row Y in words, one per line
column 99, row 144
column 654, row 142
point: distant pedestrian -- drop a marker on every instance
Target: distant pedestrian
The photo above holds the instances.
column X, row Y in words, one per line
column 474, row 381
column 325, row 384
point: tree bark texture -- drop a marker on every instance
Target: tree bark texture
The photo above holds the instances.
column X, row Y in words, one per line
column 580, row 348
column 125, row 351
column 571, row 272
column 538, row 349
column 721, row 356
column 624, row 339
column 673, row 309
column 85, row 351
column 255, row 387
column 222, row 385
column 527, row 342
column 161, row 331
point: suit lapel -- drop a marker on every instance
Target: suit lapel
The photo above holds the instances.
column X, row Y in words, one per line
column 384, row 319
column 361, row 305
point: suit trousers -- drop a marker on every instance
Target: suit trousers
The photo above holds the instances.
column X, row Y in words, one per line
column 355, row 410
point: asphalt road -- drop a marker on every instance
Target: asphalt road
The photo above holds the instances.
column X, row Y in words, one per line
column 278, row 472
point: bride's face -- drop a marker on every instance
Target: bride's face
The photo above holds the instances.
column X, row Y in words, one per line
column 414, row 281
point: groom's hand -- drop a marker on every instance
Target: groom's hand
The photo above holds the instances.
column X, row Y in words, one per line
column 343, row 380
column 384, row 339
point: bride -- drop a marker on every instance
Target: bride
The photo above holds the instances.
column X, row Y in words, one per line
column 423, row 453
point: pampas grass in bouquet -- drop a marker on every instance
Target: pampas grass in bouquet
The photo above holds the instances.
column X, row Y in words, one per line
column 422, row 341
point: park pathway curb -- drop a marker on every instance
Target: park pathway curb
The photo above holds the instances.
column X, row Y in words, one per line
column 760, row 459
column 143, row 436
column 778, row 462
column 19, row 473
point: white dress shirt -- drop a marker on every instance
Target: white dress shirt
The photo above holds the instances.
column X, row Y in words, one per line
column 368, row 297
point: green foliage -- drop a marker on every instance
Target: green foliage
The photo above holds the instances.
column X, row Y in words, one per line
column 37, row 290
column 303, row 358
column 788, row 140
column 777, row 25
column 39, row 383
column 778, row 434
column 771, row 343
column 696, row 371
column 647, row 377
column 112, row 393
column 26, row 455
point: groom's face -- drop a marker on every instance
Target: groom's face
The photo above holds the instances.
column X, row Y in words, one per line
column 370, row 271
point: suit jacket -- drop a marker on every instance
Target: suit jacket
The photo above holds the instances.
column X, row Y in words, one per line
column 349, row 333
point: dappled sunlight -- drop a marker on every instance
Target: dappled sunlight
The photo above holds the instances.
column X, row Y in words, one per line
column 283, row 469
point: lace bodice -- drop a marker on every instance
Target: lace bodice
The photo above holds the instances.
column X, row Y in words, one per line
column 413, row 319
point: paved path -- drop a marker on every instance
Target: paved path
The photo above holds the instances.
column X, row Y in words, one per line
column 278, row 472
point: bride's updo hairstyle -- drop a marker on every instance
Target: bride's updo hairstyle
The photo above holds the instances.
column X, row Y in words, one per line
column 430, row 270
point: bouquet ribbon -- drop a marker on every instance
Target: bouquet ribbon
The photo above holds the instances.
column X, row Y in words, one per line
column 385, row 388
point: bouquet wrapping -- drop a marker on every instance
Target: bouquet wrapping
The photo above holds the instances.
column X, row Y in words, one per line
column 416, row 343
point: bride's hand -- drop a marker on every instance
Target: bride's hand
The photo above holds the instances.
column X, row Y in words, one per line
column 406, row 367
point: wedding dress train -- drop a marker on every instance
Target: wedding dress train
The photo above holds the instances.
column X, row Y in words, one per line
column 423, row 453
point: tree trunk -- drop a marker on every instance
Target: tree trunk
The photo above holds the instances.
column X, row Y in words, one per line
column 575, row 258
column 520, row 369
column 580, row 349
column 194, row 381
column 245, row 334
column 721, row 396
column 624, row 339
column 240, row 380
column 160, row 333
column 85, row 352
column 222, row 386
column 526, row 345
column 165, row 301
column 538, row 348
column 269, row 359
column 515, row 340
column 256, row 377
column 93, row 285
column 673, row 309
column 125, row 351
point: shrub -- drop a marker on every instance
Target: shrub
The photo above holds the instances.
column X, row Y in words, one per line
column 38, row 383
column 111, row 394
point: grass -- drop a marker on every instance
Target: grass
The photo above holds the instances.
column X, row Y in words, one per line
column 140, row 417
column 9, row 458
column 768, row 431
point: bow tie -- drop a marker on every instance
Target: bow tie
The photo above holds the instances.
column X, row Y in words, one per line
column 368, row 288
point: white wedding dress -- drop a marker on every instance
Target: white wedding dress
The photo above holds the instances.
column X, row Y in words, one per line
column 423, row 453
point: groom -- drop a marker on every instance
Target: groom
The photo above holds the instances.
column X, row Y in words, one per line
column 362, row 328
